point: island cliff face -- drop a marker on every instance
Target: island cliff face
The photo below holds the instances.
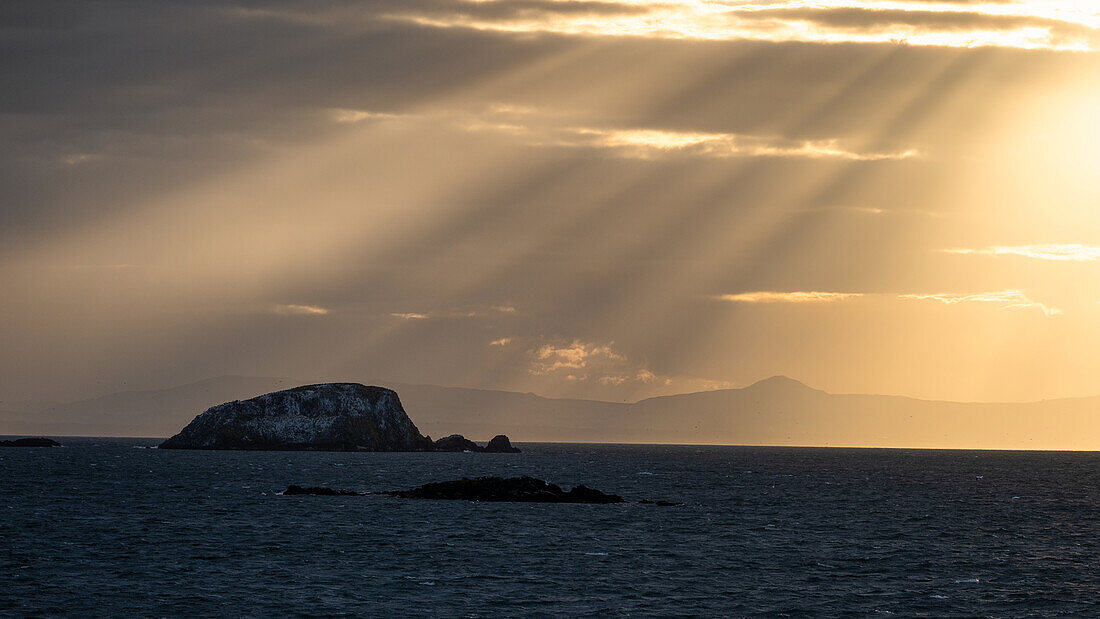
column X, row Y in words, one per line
column 326, row 417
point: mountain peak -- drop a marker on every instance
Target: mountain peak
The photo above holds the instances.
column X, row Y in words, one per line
column 780, row 382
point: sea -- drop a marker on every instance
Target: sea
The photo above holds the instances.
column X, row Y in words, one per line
column 116, row 528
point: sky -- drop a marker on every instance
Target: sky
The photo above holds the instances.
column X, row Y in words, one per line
column 607, row 199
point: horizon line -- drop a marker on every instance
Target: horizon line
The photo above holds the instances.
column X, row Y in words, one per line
column 622, row 443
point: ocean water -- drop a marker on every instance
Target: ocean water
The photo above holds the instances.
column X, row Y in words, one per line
column 106, row 527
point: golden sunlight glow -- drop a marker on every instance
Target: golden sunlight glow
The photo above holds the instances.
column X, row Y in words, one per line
column 788, row 297
column 573, row 356
column 537, row 128
column 612, row 199
column 342, row 115
column 1006, row 299
column 1030, row 24
column 299, row 310
column 1056, row 252
column 647, row 143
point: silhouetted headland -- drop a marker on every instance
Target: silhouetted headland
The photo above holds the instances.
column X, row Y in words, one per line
column 30, row 442
column 324, row 417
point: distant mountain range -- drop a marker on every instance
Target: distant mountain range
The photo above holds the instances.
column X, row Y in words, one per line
column 775, row 411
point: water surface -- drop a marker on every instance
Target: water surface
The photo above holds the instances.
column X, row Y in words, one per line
column 107, row 527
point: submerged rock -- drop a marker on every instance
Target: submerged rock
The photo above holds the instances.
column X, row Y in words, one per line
column 456, row 442
column 518, row 489
column 319, row 490
column 500, row 445
column 30, row 442
column 325, row 417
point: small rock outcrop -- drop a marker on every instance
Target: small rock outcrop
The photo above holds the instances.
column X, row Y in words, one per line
column 325, row 417
column 660, row 503
column 319, row 490
column 456, row 442
column 517, row 489
column 498, row 489
column 500, row 445
column 30, row 442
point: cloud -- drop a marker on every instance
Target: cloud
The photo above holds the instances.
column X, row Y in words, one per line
column 576, row 355
column 875, row 211
column 540, row 128
column 788, row 297
column 651, row 143
column 79, row 158
column 577, row 361
column 1059, row 252
column 409, row 315
column 341, row 115
column 467, row 311
column 299, row 310
column 121, row 265
column 1005, row 299
column 1028, row 24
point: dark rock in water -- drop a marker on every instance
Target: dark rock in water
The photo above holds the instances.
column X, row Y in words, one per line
column 30, row 442
column 519, row 489
column 456, row 442
column 584, row 494
column 500, row 445
column 659, row 503
column 319, row 490
column 326, row 417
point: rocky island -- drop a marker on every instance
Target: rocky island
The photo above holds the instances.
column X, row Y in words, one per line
column 324, row 417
